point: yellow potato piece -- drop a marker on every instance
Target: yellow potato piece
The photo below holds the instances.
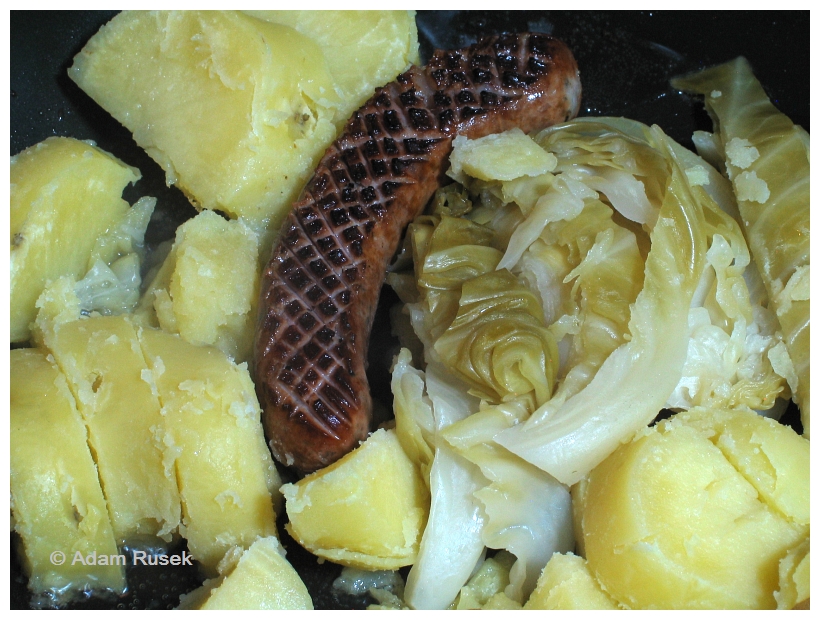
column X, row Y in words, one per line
column 215, row 98
column 214, row 440
column 206, row 290
column 56, row 499
column 103, row 362
column 237, row 110
column 668, row 522
column 502, row 156
column 794, row 578
column 566, row 583
column 261, row 579
column 367, row 510
column 766, row 453
column 64, row 194
column 363, row 49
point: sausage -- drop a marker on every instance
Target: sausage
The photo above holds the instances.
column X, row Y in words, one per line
column 321, row 287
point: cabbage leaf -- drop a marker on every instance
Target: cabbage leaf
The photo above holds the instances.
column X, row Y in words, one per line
column 448, row 251
column 528, row 512
column 767, row 160
column 498, row 342
column 451, row 545
column 748, row 376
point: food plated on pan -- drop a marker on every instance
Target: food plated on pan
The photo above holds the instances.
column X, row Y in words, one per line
column 578, row 309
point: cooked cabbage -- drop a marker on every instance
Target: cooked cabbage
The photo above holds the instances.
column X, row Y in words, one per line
column 567, row 439
column 562, row 310
column 112, row 283
column 503, row 503
column 564, row 200
column 498, row 342
column 599, row 374
column 528, row 512
column 447, row 252
column 415, row 425
column 606, row 158
column 759, row 144
column 451, row 545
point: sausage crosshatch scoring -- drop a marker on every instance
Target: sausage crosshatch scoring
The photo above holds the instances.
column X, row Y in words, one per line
column 321, row 287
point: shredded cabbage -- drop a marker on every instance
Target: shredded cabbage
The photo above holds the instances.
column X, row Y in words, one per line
column 567, row 439
column 563, row 308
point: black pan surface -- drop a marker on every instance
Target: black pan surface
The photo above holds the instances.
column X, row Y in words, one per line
column 625, row 58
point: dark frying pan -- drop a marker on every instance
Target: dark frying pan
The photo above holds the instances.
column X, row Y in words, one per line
column 626, row 60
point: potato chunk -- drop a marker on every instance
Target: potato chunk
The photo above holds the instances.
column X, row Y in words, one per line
column 216, row 98
column 794, row 578
column 669, row 521
column 502, row 156
column 103, row 362
column 57, row 502
column 566, row 583
column 102, row 359
column 363, row 49
column 261, row 579
column 64, row 194
column 237, row 110
column 367, row 510
column 214, row 438
column 766, row 453
column 207, row 287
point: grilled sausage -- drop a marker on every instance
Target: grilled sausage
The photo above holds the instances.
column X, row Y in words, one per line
column 321, row 286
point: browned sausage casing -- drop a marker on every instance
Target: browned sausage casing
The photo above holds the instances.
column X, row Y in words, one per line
column 321, row 287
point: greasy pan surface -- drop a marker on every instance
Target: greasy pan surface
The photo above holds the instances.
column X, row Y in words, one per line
column 625, row 59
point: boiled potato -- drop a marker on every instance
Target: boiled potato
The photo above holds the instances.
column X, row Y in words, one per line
column 216, row 98
column 502, row 156
column 236, row 109
column 261, row 579
column 366, row 510
column 64, row 195
column 363, row 49
column 206, row 290
column 669, row 521
column 56, row 499
column 766, row 453
column 566, row 583
column 214, row 440
column 105, row 367
column 163, row 413
column 794, row 578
